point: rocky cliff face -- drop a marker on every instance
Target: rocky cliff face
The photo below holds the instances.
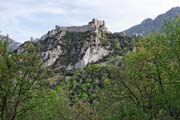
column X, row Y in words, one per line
column 149, row 25
column 75, row 47
column 12, row 44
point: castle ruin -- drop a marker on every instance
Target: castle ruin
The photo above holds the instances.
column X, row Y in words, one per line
column 92, row 26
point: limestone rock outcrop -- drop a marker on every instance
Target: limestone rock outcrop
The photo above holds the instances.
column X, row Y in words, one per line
column 76, row 46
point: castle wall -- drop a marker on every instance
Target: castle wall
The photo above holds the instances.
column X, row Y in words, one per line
column 84, row 28
column 92, row 26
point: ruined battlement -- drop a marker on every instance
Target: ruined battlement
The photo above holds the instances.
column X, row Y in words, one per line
column 92, row 26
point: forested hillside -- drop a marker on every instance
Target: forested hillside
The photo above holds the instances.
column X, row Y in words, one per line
column 138, row 80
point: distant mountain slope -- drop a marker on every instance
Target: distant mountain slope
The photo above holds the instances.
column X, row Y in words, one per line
column 12, row 44
column 149, row 25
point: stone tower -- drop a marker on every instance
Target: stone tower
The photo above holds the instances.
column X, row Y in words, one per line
column 97, row 23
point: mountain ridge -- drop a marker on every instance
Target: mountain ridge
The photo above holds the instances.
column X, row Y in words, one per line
column 149, row 25
column 12, row 43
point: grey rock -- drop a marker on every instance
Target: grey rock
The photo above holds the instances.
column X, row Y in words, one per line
column 92, row 55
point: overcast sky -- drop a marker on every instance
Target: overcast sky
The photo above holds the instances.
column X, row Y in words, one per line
column 23, row 19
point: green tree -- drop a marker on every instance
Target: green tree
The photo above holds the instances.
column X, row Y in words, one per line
column 50, row 104
column 151, row 75
column 20, row 76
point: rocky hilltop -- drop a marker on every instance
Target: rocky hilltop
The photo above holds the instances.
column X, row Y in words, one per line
column 12, row 44
column 74, row 47
column 77, row 46
column 149, row 25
